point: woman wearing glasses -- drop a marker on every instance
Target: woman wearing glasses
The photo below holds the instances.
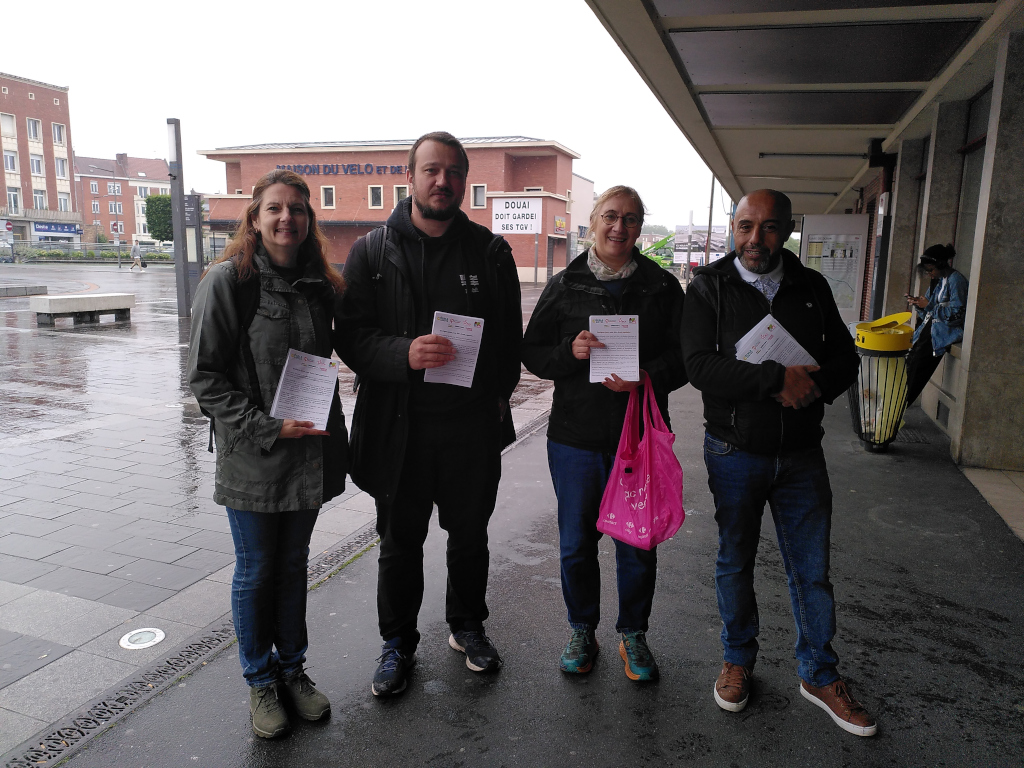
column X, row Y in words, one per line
column 610, row 278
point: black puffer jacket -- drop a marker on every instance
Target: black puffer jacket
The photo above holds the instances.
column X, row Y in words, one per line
column 376, row 325
column 738, row 396
column 590, row 416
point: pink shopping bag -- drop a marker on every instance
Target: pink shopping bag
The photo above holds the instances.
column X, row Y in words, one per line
column 643, row 501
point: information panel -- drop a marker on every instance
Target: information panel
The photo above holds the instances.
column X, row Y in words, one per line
column 836, row 247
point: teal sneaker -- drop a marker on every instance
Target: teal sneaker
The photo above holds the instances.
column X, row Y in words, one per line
column 640, row 663
column 579, row 654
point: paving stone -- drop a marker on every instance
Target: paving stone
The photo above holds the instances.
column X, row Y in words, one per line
column 19, row 450
column 150, row 549
column 159, row 574
column 45, row 509
column 136, row 596
column 225, row 575
column 18, row 570
column 15, row 461
column 157, row 470
column 11, row 591
column 6, row 637
column 46, row 465
column 16, row 728
column 105, row 462
column 215, row 540
column 96, row 538
column 42, row 493
column 7, row 485
column 207, row 560
column 198, row 605
column 7, row 500
column 99, row 487
column 61, row 618
column 77, row 583
column 152, row 529
column 50, row 480
column 58, row 688
column 29, row 526
column 147, row 511
column 108, row 644
column 25, row 654
column 342, row 521
column 92, row 518
column 28, row 546
column 10, row 473
column 207, row 521
column 89, row 559
column 99, row 475
column 160, row 461
column 321, row 541
column 92, row 501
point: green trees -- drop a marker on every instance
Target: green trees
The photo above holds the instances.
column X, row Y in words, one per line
column 158, row 217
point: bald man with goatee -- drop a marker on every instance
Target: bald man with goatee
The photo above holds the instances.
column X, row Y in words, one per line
column 762, row 446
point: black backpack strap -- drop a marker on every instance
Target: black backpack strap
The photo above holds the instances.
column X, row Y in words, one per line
column 376, row 242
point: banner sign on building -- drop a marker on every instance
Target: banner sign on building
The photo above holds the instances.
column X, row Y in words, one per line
column 517, row 215
column 559, row 225
column 48, row 226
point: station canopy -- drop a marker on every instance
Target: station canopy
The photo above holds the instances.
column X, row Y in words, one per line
column 792, row 97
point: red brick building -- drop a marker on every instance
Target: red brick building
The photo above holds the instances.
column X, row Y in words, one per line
column 113, row 196
column 39, row 198
column 356, row 185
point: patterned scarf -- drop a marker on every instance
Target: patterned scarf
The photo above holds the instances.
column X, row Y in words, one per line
column 603, row 272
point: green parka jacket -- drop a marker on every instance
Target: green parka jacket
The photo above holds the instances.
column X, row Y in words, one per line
column 255, row 470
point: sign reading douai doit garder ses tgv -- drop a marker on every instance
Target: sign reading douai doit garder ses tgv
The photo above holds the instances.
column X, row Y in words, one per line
column 516, row 215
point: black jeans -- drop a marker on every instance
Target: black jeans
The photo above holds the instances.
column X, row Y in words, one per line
column 921, row 364
column 454, row 462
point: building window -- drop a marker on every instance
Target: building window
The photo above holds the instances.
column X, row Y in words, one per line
column 39, row 199
column 143, row 192
column 97, row 223
column 326, row 197
column 239, row 192
column 58, row 134
column 113, row 207
column 142, row 209
column 63, row 201
column 35, row 129
column 145, row 228
column 117, row 227
column 94, row 187
column 568, row 201
column 56, row 102
column 35, row 163
column 166, row 191
column 113, row 189
column 401, row 192
column 375, row 195
column 533, row 189
column 95, row 206
column 13, row 199
column 61, row 164
column 478, row 196
column 31, row 96
column 10, row 161
column 3, row 90
column 7, row 125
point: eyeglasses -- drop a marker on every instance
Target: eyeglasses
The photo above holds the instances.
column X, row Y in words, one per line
column 630, row 220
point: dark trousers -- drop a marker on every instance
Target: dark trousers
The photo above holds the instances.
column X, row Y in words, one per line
column 921, row 364
column 456, row 464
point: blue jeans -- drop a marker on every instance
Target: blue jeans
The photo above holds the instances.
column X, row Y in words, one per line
column 579, row 478
column 268, row 591
column 796, row 488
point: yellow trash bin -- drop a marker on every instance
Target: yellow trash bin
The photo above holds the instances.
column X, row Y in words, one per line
column 878, row 398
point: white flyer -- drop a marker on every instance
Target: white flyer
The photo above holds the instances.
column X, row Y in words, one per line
column 768, row 340
column 620, row 355
column 465, row 333
column 306, row 388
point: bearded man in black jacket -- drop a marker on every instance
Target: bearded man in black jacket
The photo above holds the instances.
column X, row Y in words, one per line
column 416, row 442
column 763, row 445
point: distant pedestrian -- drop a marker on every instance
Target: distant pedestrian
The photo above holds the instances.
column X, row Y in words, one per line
column 416, row 442
column 136, row 257
column 271, row 290
column 763, row 446
column 611, row 278
column 940, row 317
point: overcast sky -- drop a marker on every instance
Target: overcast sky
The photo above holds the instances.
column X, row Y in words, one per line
column 247, row 73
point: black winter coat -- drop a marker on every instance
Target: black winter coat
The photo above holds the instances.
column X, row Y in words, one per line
column 739, row 406
column 376, row 325
column 589, row 416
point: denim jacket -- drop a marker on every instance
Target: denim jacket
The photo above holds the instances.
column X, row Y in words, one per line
column 947, row 307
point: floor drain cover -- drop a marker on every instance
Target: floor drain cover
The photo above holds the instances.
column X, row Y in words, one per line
column 142, row 638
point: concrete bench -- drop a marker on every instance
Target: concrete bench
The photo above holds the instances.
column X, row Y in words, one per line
column 6, row 291
column 84, row 308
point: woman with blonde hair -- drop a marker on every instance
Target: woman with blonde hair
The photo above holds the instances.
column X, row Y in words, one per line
column 610, row 278
column 272, row 290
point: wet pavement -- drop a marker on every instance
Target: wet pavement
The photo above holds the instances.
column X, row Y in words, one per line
column 929, row 582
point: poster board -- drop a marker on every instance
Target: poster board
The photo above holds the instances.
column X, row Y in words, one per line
column 836, row 246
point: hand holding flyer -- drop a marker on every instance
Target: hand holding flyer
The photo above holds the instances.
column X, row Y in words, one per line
column 465, row 334
column 768, row 340
column 306, row 388
column 620, row 355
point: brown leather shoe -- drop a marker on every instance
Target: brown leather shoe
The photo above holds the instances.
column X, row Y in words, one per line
column 732, row 688
column 836, row 699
